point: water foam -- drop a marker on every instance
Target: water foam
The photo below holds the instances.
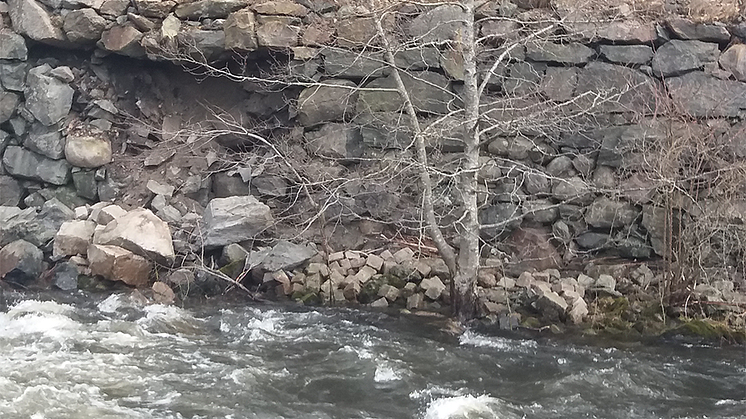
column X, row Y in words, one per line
column 466, row 407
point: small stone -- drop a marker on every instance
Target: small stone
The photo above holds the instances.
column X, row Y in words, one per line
column 386, row 255
column 606, row 282
column 365, row 274
column 81, row 213
column 524, row 280
column 109, row 213
column 433, row 287
column 160, row 189
column 336, row 256
column 380, row 303
column 162, row 293
column 390, row 292
column 404, row 255
column 375, row 262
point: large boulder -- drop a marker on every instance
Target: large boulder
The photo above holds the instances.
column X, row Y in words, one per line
column 48, row 98
column 20, row 262
column 708, row 32
column 83, row 26
column 142, row 233
column 627, row 54
column 326, row 103
column 676, row 57
column 621, row 89
column 41, row 230
column 87, row 151
column 277, row 31
column 282, row 256
column 119, row 264
column 123, row 40
column 355, row 65
column 234, row 219
column 32, row 20
column 12, row 46
column 26, row 164
column 701, row 95
column 73, row 238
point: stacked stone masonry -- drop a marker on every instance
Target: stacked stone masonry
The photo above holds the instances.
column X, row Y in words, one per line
column 552, row 188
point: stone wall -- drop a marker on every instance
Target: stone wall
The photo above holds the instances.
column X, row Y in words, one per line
column 569, row 114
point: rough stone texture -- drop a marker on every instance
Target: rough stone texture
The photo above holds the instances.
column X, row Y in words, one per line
column 326, row 103
column 734, row 60
column 83, row 26
column 686, row 29
column 428, row 92
column 118, row 264
column 12, row 46
column 277, row 31
column 8, row 103
column 209, row 9
column 10, row 191
column 20, row 262
column 142, row 233
column 676, row 57
column 282, row 256
column 625, row 32
column 155, row 8
column 559, row 83
column 27, row 164
column 240, row 31
column 608, row 213
column 46, row 141
column 88, row 152
column 123, row 40
column 354, row 31
column 615, row 81
column 438, row 25
column 48, row 98
column 702, row 95
column 499, row 220
column 627, row 54
column 336, row 141
column 13, row 77
column 73, row 238
column 574, row 53
column 234, row 219
column 350, row 64
column 433, row 287
column 65, row 276
column 32, row 20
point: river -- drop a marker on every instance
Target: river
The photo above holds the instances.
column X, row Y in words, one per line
column 109, row 357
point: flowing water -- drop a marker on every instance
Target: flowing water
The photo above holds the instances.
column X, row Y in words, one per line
column 111, row 358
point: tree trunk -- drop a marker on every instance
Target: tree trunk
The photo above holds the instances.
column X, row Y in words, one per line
column 465, row 279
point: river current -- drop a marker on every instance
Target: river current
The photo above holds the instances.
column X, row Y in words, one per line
column 113, row 358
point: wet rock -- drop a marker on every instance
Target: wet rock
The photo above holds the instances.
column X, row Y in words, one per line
column 676, row 57
column 142, row 233
column 47, row 98
column 83, row 26
column 87, row 151
column 573, row 53
column 326, row 103
column 20, row 262
column 235, row 219
column 118, row 264
column 284, row 256
column 608, row 213
column 627, row 54
column 32, row 20
column 162, row 293
column 73, row 238
column 26, row 164
column 12, row 46
column 65, row 276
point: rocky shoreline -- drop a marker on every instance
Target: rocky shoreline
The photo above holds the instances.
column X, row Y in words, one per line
column 94, row 248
